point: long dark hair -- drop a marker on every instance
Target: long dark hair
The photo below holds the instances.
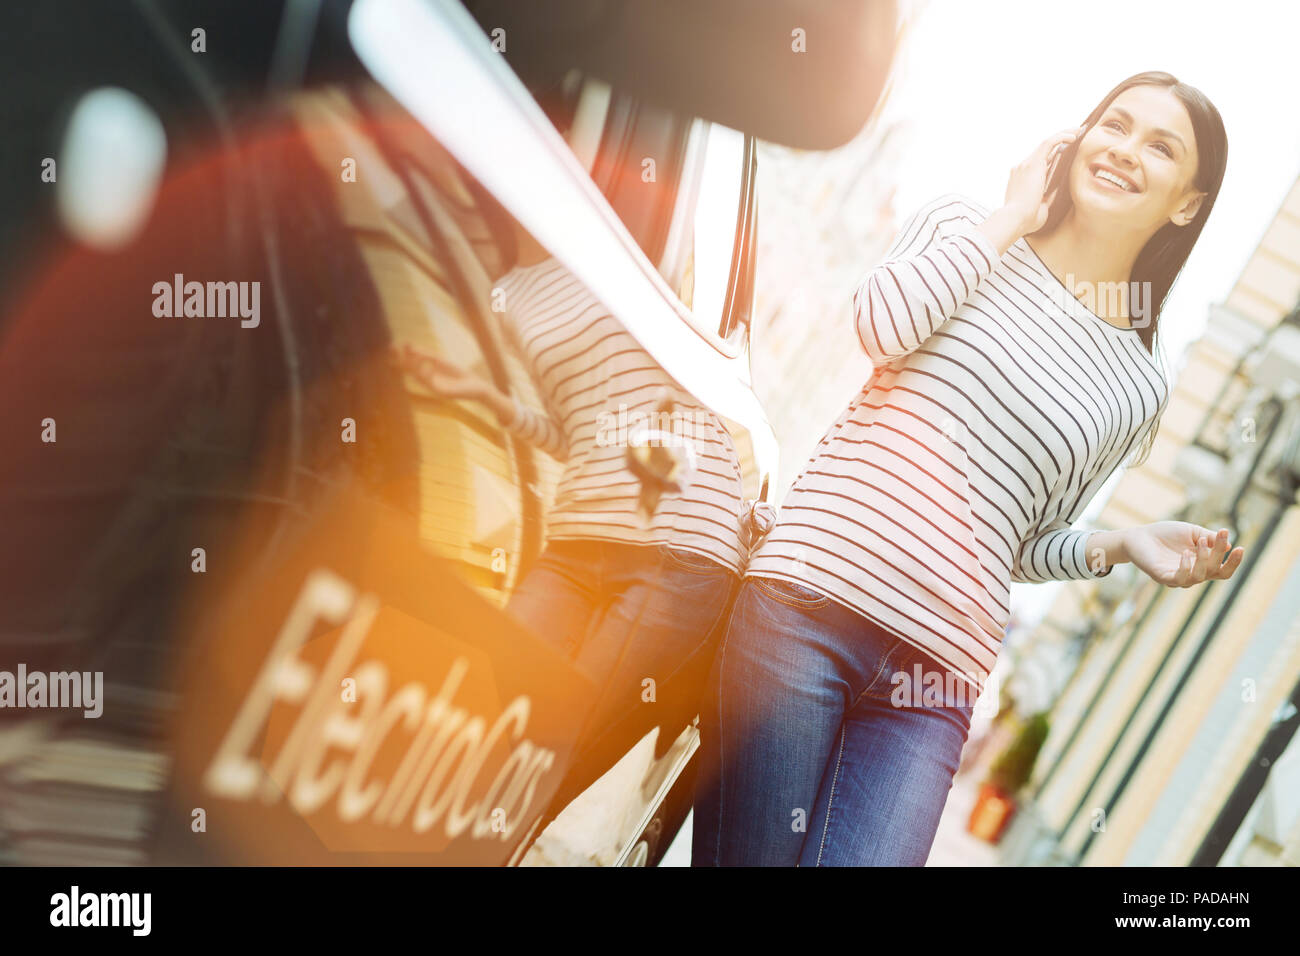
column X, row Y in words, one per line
column 1162, row 258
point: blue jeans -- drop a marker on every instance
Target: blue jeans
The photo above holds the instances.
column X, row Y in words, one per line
column 623, row 613
column 810, row 755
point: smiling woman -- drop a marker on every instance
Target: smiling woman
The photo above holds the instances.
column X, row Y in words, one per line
column 1165, row 141
column 998, row 408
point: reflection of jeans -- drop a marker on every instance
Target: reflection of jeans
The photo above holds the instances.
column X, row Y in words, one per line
column 598, row 600
column 804, row 757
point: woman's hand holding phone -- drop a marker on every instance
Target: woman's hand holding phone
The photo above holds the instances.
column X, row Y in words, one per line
column 1027, row 186
column 1027, row 203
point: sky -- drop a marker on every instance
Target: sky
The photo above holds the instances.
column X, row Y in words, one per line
column 985, row 81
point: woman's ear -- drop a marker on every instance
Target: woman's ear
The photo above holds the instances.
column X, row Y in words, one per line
column 1188, row 211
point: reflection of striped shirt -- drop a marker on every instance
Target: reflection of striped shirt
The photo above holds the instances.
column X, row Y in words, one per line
column 998, row 407
column 600, row 387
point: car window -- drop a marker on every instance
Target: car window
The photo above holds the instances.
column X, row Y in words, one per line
column 685, row 191
column 714, row 221
column 708, row 257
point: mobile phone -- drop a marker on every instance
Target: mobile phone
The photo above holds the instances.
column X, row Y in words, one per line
column 1057, row 150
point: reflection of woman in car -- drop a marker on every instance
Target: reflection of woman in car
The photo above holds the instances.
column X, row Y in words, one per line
column 1000, row 403
column 627, row 595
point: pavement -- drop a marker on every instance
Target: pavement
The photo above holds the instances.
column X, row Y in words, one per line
column 953, row 846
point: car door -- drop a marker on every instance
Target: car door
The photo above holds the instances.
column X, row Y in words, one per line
column 376, row 564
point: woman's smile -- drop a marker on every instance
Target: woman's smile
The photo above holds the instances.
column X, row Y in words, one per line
column 1111, row 180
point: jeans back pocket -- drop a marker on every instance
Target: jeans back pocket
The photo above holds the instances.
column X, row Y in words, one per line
column 790, row 592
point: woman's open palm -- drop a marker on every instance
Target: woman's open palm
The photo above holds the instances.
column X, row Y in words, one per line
column 1179, row 554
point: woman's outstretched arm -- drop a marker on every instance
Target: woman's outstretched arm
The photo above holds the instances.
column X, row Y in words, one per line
column 1177, row 554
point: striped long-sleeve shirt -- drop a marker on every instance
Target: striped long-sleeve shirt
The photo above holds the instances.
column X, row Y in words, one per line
column 998, row 406
column 600, row 387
